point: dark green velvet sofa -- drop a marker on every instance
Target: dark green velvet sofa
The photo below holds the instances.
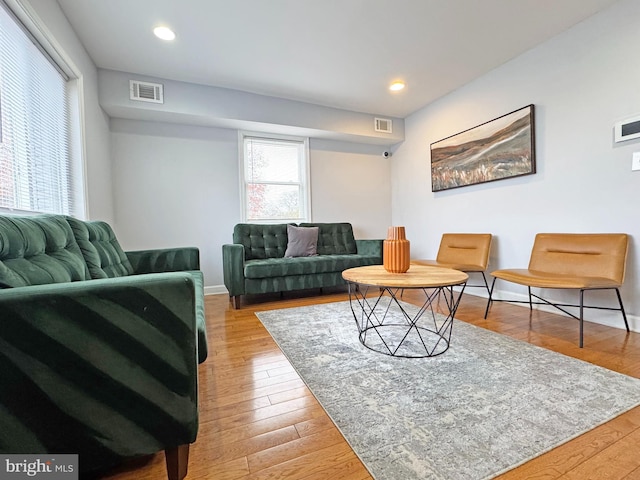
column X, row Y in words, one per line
column 255, row 263
column 99, row 348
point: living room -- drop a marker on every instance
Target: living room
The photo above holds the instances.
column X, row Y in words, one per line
column 580, row 78
column 168, row 176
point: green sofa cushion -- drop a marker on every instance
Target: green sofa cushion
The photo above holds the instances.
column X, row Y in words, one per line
column 282, row 267
column 100, row 248
column 38, row 250
column 261, row 241
column 334, row 238
column 256, row 286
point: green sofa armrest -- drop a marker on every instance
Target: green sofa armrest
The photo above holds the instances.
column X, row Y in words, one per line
column 164, row 260
column 108, row 366
column 181, row 259
column 233, row 268
column 201, row 319
column 370, row 248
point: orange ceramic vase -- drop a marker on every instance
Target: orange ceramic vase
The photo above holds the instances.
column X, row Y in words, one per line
column 395, row 251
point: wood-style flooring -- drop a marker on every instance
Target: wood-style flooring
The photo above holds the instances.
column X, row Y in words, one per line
column 259, row 421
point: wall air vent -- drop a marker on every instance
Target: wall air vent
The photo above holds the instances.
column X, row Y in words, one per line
column 382, row 125
column 146, row 92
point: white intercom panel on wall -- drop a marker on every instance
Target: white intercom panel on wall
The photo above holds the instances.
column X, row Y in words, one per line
column 627, row 129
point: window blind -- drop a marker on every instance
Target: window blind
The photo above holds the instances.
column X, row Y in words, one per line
column 36, row 174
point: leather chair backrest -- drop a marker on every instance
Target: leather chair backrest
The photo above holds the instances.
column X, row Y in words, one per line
column 581, row 254
column 465, row 249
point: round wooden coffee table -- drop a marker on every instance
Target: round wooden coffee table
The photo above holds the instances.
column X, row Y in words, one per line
column 393, row 327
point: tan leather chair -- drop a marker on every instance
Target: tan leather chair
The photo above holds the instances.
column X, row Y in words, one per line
column 467, row 252
column 575, row 261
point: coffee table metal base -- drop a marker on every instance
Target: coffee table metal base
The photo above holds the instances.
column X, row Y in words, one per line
column 389, row 326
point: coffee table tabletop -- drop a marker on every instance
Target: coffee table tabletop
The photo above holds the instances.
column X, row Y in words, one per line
column 418, row 276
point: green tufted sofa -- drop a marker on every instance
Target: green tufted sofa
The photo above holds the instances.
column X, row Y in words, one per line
column 255, row 263
column 99, row 347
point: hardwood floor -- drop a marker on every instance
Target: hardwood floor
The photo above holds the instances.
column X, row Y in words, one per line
column 258, row 420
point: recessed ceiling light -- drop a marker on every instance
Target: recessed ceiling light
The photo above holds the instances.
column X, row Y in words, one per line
column 396, row 86
column 165, row 33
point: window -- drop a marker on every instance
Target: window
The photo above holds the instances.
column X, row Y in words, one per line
column 275, row 179
column 37, row 171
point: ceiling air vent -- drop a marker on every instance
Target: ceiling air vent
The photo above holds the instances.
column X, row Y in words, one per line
column 146, row 92
column 382, row 125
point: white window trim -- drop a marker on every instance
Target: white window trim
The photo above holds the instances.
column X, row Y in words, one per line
column 306, row 174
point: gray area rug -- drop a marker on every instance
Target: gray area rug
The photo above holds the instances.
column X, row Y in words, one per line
column 486, row 405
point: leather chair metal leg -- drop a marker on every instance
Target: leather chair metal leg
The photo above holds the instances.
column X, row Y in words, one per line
column 489, row 300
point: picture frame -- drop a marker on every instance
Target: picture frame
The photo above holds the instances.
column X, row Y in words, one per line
column 495, row 150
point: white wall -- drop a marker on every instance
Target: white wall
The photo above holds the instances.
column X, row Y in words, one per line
column 95, row 122
column 581, row 83
column 351, row 183
column 177, row 185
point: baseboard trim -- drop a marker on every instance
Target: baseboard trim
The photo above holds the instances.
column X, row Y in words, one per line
column 216, row 290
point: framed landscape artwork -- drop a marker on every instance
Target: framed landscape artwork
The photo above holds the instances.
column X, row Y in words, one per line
column 498, row 149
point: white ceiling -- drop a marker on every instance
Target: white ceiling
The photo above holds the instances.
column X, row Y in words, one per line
column 338, row 53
